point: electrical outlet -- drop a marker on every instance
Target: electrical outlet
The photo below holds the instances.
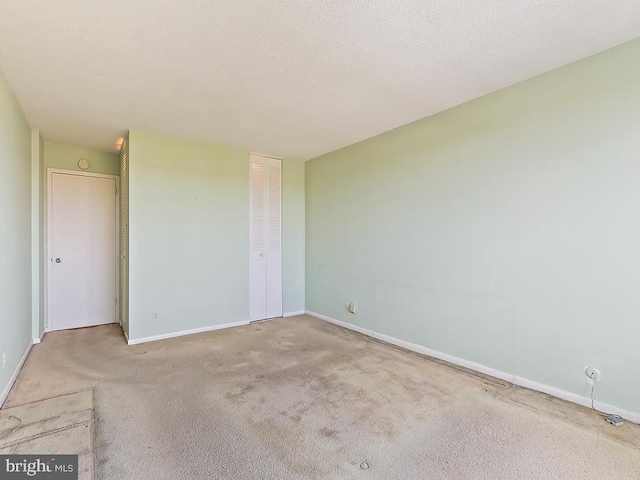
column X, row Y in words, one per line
column 154, row 317
column 352, row 308
column 593, row 373
column 4, row 359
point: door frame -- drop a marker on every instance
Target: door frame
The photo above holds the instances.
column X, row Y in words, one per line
column 48, row 259
column 256, row 154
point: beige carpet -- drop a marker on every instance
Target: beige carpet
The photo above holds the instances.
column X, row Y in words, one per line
column 300, row 398
column 58, row 425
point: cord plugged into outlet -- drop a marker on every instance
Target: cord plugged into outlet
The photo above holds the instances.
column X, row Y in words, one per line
column 594, row 375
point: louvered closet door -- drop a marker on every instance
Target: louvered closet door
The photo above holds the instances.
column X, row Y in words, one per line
column 274, row 239
column 266, row 238
column 124, row 236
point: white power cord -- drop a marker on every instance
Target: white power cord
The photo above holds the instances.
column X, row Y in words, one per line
column 612, row 418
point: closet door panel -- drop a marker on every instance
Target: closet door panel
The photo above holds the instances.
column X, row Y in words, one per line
column 274, row 239
column 257, row 258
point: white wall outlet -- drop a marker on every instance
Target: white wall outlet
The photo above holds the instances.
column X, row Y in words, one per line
column 154, row 317
column 352, row 308
column 4, row 359
column 593, row 373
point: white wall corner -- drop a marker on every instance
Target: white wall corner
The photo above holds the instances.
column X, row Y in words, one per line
column 12, row 380
column 35, row 232
column 39, row 339
column 520, row 381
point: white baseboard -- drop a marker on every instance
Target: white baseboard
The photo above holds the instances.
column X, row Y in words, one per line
column 164, row 336
column 509, row 377
column 629, row 415
column 12, row 380
column 293, row 314
column 37, row 340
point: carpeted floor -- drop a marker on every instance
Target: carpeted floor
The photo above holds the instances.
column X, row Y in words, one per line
column 300, row 398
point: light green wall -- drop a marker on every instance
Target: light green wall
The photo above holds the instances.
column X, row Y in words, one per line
column 15, row 234
column 65, row 157
column 503, row 231
column 188, row 235
column 293, row 235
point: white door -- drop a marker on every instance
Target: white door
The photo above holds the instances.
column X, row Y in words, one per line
column 82, row 255
column 265, row 238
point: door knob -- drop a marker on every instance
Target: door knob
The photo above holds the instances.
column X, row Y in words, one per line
column 58, row 260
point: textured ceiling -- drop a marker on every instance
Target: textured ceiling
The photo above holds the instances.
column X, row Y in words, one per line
column 282, row 77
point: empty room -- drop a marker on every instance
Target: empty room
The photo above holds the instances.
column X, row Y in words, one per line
column 340, row 239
